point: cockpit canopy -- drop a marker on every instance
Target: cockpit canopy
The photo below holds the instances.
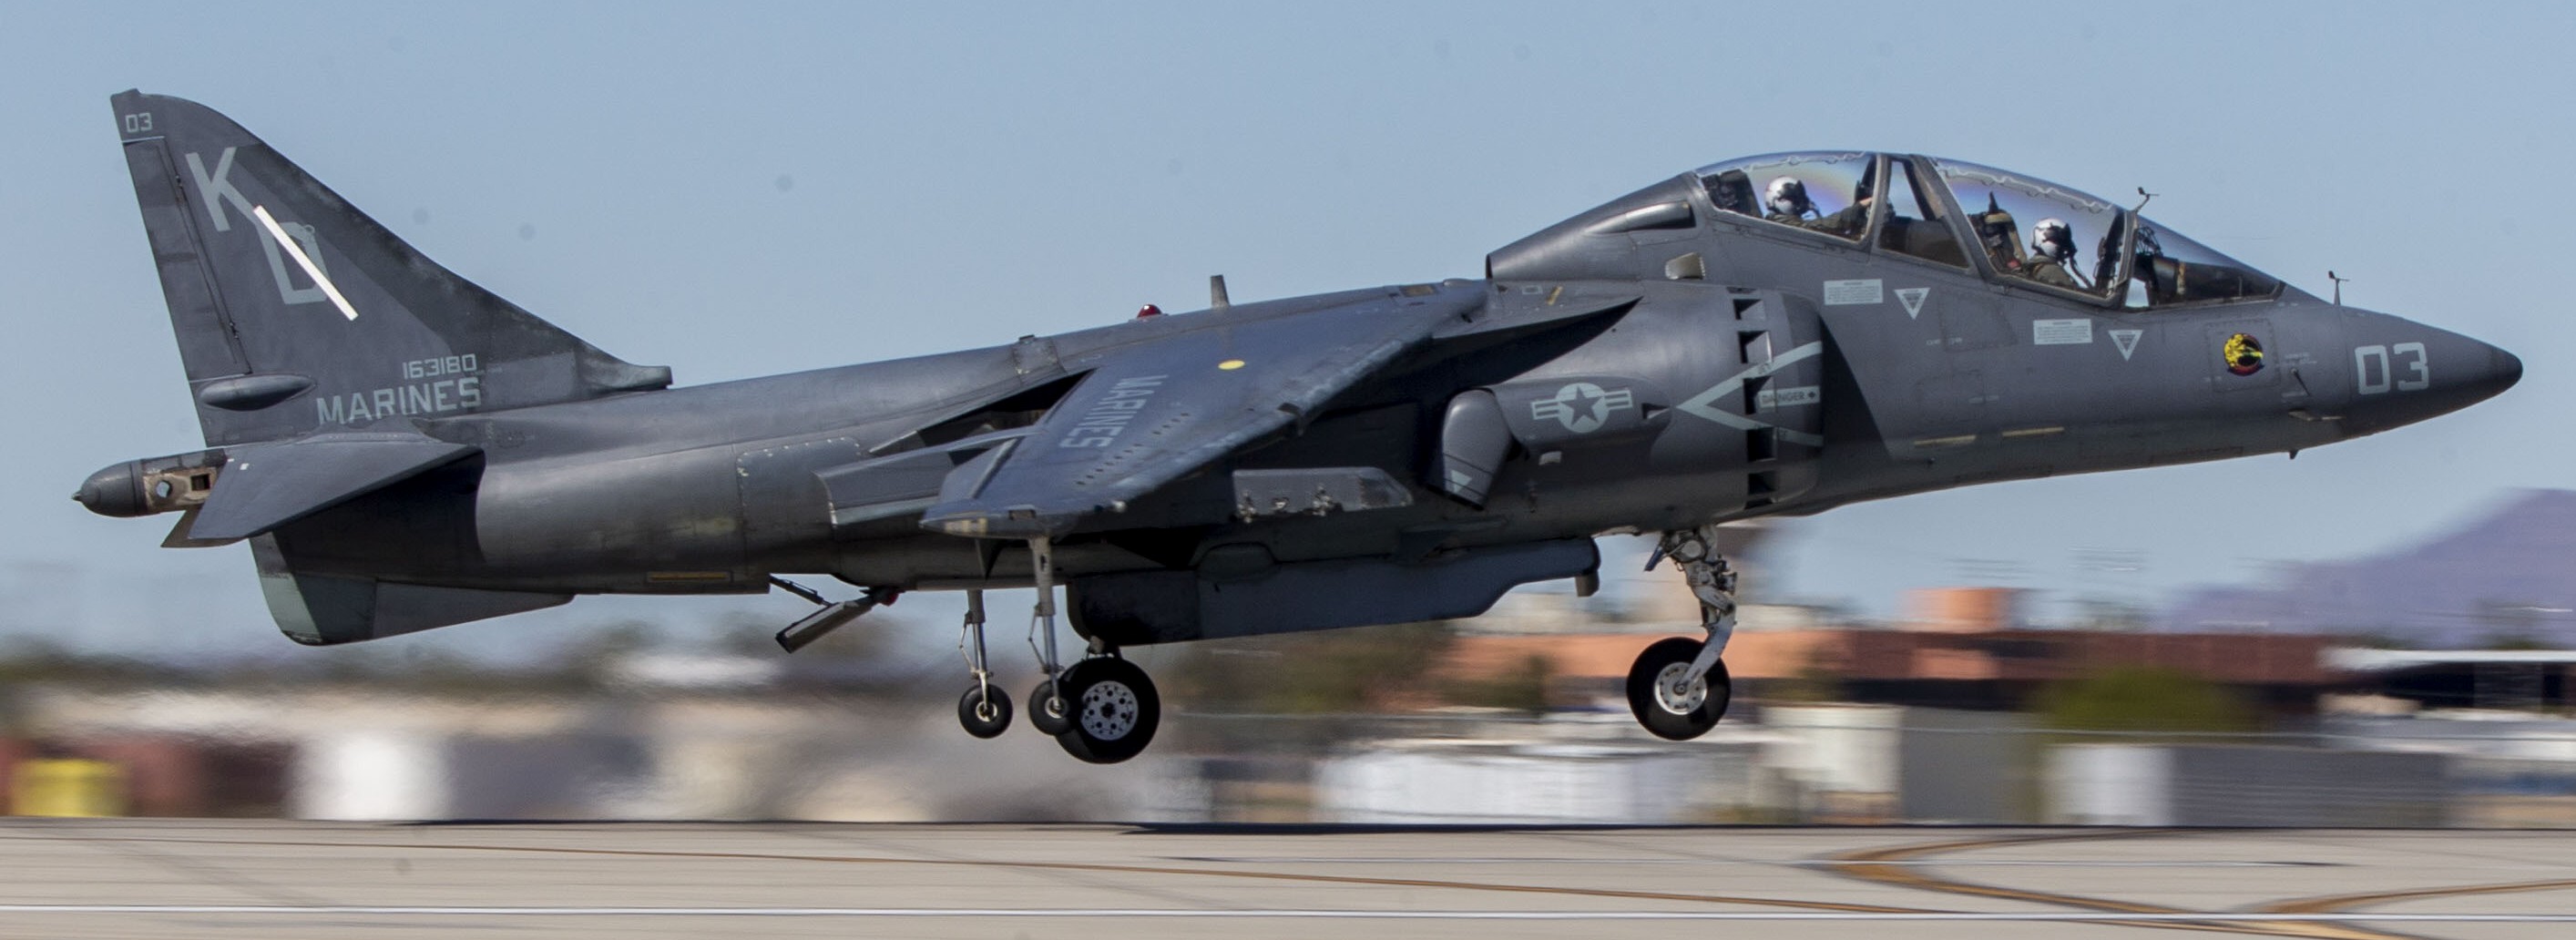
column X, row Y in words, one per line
column 2021, row 229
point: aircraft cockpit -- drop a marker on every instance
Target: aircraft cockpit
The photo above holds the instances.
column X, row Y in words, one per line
column 2007, row 226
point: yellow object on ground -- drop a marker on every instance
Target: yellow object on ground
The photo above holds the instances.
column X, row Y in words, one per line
column 67, row 787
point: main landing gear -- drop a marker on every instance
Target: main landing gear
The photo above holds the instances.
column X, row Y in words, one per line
column 1102, row 709
column 1678, row 687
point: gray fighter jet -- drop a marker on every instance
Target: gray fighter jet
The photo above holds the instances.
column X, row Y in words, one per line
column 1776, row 335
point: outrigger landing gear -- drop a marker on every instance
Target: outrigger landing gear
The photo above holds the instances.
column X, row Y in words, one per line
column 1046, row 708
column 1678, row 687
column 985, row 709
column 1102, row 709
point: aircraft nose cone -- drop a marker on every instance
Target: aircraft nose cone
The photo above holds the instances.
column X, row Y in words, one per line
column 2404, row 372
column 2468, row 372
column 2503, row 370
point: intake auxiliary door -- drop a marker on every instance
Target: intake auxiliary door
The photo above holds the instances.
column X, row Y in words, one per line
column 1778, row 398
column 1914, row 341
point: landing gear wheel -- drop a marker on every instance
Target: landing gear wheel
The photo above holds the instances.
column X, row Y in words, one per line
column 985, row 710
column 1113, row 707
column 1669, row 708
column 1047, row 712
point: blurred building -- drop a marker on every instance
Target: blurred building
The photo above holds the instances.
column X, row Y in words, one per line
column 1959, row 648
column 2246, row 785
column 378, row 754
column 2507, row 679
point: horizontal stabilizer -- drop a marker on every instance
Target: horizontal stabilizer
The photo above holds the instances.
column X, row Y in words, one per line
column 264, row 486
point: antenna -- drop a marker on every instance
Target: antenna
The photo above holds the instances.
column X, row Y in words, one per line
column 2338, row 285
column 2144, row 197
column 1217, row 300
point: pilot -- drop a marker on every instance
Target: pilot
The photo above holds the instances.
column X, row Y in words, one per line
column 1787, row 199
column 2052, row 255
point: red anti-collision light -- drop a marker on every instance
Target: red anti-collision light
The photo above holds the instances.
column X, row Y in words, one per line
column 1149, row 310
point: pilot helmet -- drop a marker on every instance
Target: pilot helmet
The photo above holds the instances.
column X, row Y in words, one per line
column 2053, row 239
column 1788, row 196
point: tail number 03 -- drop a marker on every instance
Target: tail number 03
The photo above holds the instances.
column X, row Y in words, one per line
column 2371, row 368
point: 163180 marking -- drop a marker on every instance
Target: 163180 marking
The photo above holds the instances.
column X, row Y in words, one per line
column 463, row 391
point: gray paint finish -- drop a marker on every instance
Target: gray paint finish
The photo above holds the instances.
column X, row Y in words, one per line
column 1660, row 362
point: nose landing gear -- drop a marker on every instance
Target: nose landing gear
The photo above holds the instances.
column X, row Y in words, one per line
column 1671, row 703
column 1678, row 688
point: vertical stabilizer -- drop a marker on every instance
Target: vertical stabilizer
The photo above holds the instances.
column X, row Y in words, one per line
column 296, row 313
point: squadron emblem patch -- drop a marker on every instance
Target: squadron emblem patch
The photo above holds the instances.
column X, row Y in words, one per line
column 2244, row 354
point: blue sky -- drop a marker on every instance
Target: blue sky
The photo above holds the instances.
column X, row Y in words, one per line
column 765, row 187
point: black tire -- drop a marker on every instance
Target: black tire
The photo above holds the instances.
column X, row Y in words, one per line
column 1046, row 713
column 1663, row 718
column 983, row 717
column 1113, row 709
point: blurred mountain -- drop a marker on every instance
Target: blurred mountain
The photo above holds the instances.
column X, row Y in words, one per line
column 2503, row 579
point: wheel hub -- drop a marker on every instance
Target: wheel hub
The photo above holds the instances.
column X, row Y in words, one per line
column 1109, row 710
column 1677, row 696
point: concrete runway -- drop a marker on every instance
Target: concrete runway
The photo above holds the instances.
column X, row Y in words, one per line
column 197, row 878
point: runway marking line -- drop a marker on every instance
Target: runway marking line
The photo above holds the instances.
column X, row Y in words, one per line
column 1886, row 866
column 1827, row 906
column 2187, row 919
column 2320, row 905
column 1890, row 866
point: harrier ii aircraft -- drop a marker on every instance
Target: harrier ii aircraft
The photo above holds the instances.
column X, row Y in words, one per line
column 1776, row 335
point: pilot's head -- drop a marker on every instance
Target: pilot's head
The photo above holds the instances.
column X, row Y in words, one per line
column 1788, row 197
column 2051, row 239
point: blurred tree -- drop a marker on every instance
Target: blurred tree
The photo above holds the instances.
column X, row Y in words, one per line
column 1521, row 688
column 2143, row 699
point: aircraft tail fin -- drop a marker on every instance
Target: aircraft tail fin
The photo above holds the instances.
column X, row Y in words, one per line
column 297, row 313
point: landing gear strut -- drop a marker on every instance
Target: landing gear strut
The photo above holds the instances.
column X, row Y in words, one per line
column 1678, row 687
column 1046, row 708
column 985, row 709
column 1102, row 709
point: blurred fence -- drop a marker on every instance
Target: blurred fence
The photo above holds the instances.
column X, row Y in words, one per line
column 355, row 755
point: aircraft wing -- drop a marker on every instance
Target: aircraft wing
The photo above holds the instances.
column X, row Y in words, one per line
column 1153, row 412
